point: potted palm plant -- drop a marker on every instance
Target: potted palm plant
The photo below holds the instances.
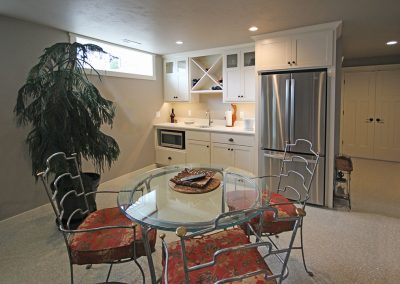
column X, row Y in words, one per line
column 66, row 111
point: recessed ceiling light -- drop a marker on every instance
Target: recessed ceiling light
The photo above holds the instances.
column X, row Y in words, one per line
column 179, row 42
column 392, row 42
column 253, row 29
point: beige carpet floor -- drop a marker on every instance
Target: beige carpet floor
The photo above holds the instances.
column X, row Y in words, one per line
column 341, row 247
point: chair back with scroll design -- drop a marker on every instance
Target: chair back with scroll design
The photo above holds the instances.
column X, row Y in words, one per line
column 106, row 235
column 222, row 256
column 289, row 189
column 297, row 172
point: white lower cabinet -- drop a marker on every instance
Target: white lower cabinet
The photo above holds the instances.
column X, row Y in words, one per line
column 167, row 156
column 198, row 152
column 222, row 155
column 211, row 148
column 237, row 156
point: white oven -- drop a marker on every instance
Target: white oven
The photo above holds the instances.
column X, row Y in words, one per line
column 172, row 138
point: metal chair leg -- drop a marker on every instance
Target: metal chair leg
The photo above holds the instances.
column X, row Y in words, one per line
column 302, row 251
column 141, row 270
column 109, row 272
column 72, row 272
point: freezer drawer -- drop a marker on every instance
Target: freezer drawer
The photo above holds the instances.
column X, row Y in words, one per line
column 271, row 165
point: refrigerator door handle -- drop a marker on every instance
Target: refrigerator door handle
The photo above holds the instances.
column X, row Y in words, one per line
column 287, row 105
column 291, row 128
column 274, row 156
column 281, row 156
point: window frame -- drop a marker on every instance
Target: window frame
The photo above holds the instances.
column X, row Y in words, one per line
column 72, row 39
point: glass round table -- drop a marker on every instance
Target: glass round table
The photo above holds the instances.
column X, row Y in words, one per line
column 156, row 202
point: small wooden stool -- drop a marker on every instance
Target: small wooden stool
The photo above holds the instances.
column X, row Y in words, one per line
column 344, row 167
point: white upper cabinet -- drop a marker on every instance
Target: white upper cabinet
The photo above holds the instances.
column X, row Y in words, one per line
column 176, row 87
column 239, row 75
column 300, row 50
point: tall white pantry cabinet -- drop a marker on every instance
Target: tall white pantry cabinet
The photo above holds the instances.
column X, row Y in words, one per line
column 371, row 113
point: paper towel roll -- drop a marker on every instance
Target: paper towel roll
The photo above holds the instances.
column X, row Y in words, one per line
column 228, row 118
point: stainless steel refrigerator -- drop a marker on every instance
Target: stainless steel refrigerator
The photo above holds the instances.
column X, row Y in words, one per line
column 292, row 106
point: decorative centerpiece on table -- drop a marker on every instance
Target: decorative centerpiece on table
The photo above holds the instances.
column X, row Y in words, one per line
column 195, row 180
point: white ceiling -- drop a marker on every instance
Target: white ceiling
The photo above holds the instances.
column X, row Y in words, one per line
column 200, row 24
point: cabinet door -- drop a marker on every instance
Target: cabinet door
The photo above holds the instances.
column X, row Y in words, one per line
column 198, row 152
column 232, row 78
column 165, row 156
column 222, row 155
column 170, row 80
column 312, row 49
column 248, row 75
column 243, row 158
column 387, row 116
column 358, row 114
column 273, row 53
column 182, row 80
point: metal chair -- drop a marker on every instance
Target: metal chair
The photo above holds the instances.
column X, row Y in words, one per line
column 220, row 256
column 106, row 235
column 292, row 191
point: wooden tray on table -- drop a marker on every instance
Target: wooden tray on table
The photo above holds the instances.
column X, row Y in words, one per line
column 203, row 185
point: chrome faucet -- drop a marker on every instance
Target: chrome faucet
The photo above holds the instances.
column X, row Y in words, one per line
column 208, row 114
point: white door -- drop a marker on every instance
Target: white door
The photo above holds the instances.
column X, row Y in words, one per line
column 222, row 155
column 232, row 88
column 182, row 80
column 244, row 158
column 358, row 114
column 273, row 53
column 312, row 49
column 248, row 75
column 198, row 152
column 387, row 115
column 170, row 80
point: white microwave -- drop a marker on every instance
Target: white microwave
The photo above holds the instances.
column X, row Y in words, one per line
column 172, row 139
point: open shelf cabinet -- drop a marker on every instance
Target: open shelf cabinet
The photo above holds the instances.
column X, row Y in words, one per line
column 206, row 74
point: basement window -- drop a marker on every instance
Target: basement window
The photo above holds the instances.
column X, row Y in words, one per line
column 123, row 62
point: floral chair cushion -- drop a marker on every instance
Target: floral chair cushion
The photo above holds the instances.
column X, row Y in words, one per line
column 230, row 264
column 242, row 199
column 110, row 244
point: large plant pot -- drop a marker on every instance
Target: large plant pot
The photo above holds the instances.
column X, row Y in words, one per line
column 90, row 182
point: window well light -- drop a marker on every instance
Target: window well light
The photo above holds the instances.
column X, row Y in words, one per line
column 179, row 42
column 392, row 42
column 253, row 29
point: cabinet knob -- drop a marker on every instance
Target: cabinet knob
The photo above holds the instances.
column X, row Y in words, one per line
column 293, row 62
column 288, row 62
column 208, row 146
column 229, row 149
column 169, row 158
column 369, row 120
column 230, row 139
column 379, row 120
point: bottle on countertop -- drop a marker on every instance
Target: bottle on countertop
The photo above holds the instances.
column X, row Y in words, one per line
column 172, row 116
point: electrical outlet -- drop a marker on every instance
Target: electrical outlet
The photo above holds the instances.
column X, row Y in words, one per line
column 189, row 112
column 158, row 114
column 241, row 114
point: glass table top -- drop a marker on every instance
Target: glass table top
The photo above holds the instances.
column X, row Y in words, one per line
column 151, row 200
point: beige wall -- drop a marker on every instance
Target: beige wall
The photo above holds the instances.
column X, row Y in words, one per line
column 213, row 103
column 136, row 102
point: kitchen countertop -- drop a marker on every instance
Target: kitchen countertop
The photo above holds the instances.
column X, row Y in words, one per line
column 197, row 127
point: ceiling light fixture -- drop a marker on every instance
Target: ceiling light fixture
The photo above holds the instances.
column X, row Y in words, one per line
column 130, row 41
column 253, row 29
column 392, row 42
column 179, row 42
